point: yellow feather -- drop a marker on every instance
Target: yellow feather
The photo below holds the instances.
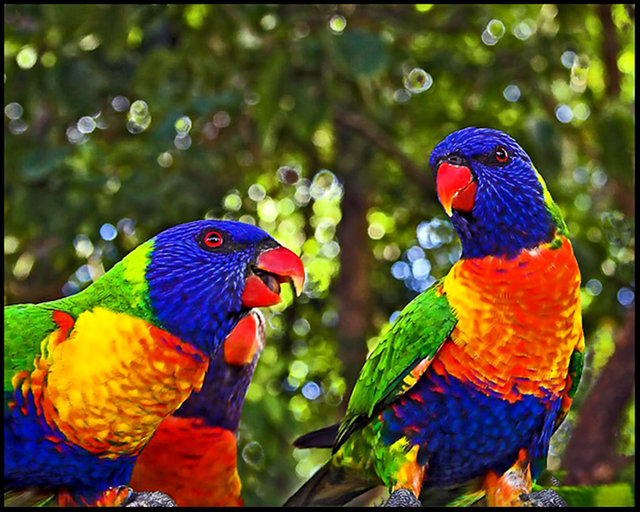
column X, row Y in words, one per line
column 111, row 382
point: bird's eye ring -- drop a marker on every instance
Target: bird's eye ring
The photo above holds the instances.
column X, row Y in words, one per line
column 212, row 239
column 501, row 155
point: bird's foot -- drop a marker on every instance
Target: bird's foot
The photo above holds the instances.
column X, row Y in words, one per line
column 150, row 499
column 402, row 498
column 543, row 498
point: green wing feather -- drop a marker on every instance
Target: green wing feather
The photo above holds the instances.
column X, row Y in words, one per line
column 417, row 334
column 573, row 378
column 575, row 372
column 123, row 289
column 25, row 326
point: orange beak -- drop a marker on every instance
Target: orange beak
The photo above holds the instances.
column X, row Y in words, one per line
column 271, row 268
column 456, row 188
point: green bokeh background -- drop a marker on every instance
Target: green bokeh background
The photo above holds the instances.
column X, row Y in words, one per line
column 314, row 122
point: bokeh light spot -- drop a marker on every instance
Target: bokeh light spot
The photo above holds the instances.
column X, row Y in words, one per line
column 511, row 93
column 13, row 110
column 564, row 114
column 108, row 232
column 626, row 297
column 337, row 23
column 417, row 81
column 27, row 57
column 253, row 454
column 288, row 175
column 311, row 391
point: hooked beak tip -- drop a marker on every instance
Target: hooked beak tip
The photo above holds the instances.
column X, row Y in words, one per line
column 272, row 267
column 297, row 283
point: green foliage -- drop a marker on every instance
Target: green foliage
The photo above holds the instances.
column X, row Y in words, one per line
column 138, row 117
column 614, row 495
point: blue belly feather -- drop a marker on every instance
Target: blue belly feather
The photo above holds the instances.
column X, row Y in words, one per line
column 30, row 459
column 464, row 432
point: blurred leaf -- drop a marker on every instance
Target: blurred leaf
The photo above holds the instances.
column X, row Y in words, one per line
column 617, row 140
column 614, row 495
column 363, row 53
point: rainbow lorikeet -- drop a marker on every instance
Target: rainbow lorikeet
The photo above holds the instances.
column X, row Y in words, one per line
column 192, row 456
column 88, row 378
column 462, row 394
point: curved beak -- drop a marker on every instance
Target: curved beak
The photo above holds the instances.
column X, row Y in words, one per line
column 271, row 268
column 456, row 187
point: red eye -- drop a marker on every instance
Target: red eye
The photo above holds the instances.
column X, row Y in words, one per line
column 501, row 155
column 212, row 239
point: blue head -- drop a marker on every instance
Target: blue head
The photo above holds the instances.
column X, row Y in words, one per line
column 204, row 276
column 497, row 201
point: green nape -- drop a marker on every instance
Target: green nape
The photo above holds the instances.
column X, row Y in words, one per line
column 122, row 289
column 554, row 209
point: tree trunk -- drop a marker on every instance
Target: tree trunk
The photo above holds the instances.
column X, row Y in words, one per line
column 591, row 456
column 610, row 49
column 352, row 288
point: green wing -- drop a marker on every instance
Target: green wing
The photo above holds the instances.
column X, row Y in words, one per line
column 573, row 380
column 417, row 335
column 123, row 289
column 25, row 327
column 575, row 372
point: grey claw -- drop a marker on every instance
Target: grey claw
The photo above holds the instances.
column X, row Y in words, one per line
column 402, row 498
column 544, row 498
column 150, row 499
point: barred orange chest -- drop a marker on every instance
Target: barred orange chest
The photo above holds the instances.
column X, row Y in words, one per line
column 112, row 381
column 519, row 320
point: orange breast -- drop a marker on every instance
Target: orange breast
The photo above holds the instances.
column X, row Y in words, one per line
column 519, row 320
column 108, row 380
column 193, row 463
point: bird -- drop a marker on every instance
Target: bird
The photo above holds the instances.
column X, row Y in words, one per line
column 459, row 399
column 193, row 454
column 90, row 377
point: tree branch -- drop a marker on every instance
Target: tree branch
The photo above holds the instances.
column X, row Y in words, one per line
column 367, row 129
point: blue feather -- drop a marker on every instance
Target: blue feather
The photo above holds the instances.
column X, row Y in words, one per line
column 509, row 212
column 197, row 294
column 463, row 431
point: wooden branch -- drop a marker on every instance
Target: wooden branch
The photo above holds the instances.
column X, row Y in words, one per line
column 368, row 129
